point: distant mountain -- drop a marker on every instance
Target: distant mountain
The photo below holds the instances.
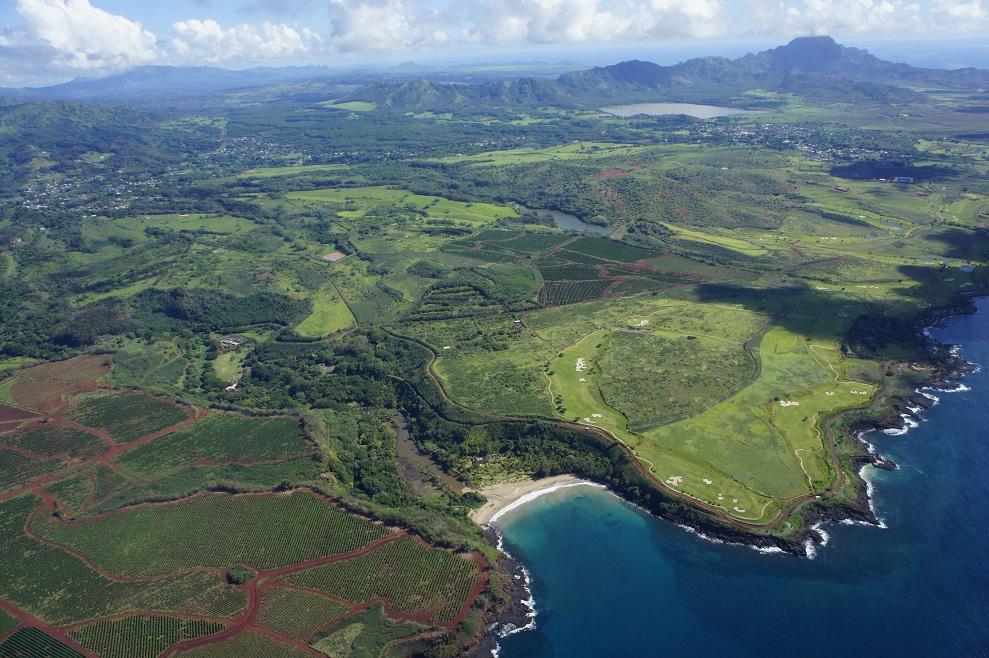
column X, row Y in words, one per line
column 816, row 68
column 156, row 81
column 409, row 67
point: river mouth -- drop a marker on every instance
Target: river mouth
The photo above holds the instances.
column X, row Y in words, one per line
column 662, row 109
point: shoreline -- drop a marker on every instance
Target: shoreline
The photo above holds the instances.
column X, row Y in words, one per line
column 507, row 496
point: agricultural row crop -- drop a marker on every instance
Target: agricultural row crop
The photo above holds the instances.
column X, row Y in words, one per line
column 127, row 416
column 570, row 292
column 215, row 530
column 33, row 643
column 569, row 272
column 49, row 440
column 610, row 250
column 141, row 636
column 246, row 644
column 414, row 578
column 17, row 468
column 297, row 613
column 218, row 439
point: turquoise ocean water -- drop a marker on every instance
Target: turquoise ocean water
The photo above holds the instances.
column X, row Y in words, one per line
column 609, row 580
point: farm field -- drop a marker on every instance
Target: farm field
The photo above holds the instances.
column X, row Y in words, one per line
column 120, row 587
column 262, row 350
column 126, row 416
column 195, row 534
column 358, row 202
column 330, row 314
column 218, row 438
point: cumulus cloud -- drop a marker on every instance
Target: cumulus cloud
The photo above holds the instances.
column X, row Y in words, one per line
column 384, row 24
column 581, row 21
column 886, row 17
column 956, row 15
column 206, row 41
column 61, row 38
column 83, row 37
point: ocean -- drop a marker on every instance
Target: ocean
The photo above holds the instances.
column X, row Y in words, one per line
column 609, row 580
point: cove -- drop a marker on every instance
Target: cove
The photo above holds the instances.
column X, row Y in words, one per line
column 609, row 580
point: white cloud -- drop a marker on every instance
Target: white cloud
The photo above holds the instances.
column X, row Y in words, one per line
column 383, row 24
column 591, row 21
column 56, row 39
column 206, row 41
column 962, row 16
column 837, row 17
column 84, row 37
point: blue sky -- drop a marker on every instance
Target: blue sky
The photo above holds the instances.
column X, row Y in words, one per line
column 44, row 41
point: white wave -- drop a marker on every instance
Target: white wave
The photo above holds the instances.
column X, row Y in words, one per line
column 959, row 388
column 870, row 489
column 533, row 495
column 529, row 603
column 933, row 398
column 811, row 550
column 909, row 423
column 695, row 531
column 869, row 447
column 767, row 550
column 821, row 532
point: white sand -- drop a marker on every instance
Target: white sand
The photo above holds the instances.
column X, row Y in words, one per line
column 509, row 495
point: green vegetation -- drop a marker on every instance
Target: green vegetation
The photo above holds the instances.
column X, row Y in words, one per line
column 246, row 644
column 432, row 582
column 127, row 416
column 33, row 643
column 140, row 636
column 215, row 530
column 365, row 634
column 372, row 303
column 7, row 622
column 330, row 313
column 51, row 441
column 297, row 613
column 219, row 438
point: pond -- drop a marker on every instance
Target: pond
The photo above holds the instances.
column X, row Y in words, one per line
column 571, row 222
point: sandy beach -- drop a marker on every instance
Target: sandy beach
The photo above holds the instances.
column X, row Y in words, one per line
column 501, row 496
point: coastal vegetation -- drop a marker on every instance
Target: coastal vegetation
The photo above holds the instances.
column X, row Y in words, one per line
column 253, row 377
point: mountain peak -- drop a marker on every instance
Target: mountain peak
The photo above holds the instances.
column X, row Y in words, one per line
column 813, row 54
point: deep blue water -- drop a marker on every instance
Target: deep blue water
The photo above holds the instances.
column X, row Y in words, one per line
column 611, row 581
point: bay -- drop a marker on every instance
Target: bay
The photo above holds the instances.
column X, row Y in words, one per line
column 609, row 580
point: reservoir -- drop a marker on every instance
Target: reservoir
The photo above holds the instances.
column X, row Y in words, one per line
column 659, row 109
column 609, row 580
column 571, row 222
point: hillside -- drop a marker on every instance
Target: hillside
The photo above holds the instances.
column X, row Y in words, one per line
column 814, row 68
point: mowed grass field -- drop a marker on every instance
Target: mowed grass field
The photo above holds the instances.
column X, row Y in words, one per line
column 762, row 446
column 330, row 313
column 738, row 431
column 574, row 383
column 572, row 151
column 359, row 201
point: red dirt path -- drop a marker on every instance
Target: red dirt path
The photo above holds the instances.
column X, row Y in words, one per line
column 45, row 388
